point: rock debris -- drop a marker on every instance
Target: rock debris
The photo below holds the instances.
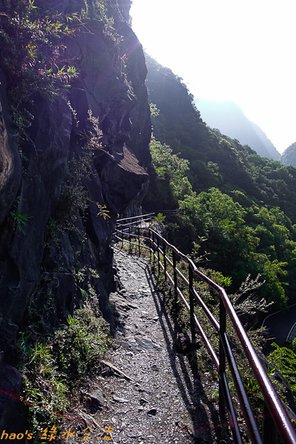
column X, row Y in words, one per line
column 147, row 393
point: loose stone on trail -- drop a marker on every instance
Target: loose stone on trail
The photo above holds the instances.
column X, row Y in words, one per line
column 161, row 388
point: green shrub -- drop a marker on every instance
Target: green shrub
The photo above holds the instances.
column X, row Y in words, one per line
column 45, row 389
column 52, row 369
column 20, row 220
column 283, row 366
column 159, row 218
column 80, row 345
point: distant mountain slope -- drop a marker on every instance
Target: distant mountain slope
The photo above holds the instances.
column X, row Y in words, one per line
column 215, row 160
column 289, row 155
column 230, row 120
column 238, row 207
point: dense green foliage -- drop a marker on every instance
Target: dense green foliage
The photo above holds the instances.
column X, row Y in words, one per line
column 34, row 53
column 172, row 182
column 35, row 37
column 283, row 361
column 242, row 240
column 54, row 366
column 236, row 208
column 215, row 160
column 237, row 235
column 237, row 214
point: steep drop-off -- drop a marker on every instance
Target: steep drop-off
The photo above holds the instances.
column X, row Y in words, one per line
column 74, row 135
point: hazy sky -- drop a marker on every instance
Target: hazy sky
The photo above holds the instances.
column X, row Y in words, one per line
column 239, row 50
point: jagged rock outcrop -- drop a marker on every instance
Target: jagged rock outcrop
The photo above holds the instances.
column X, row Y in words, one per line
column 62, row 187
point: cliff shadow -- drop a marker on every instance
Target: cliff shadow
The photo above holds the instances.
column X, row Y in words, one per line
column 204, row 413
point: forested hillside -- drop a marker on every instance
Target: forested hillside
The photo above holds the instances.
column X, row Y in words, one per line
column 75, row 129
column 289, row 155
column 238, row 209
column 230, row 120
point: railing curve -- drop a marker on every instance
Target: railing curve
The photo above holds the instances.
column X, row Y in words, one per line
column 163, row 256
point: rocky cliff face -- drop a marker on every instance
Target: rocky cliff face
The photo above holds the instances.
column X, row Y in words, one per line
column 69, row 162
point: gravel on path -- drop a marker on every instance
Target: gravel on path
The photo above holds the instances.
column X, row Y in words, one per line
column 147, row 391
column 153, row 397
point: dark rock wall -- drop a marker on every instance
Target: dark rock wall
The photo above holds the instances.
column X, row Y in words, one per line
column 58, row 199
column 10, row 165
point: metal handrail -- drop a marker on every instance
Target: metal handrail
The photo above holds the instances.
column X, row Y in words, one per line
column 143, row 217
column 140, row 217
column 158, row 249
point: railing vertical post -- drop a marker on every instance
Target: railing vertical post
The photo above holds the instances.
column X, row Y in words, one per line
column 139, row 243
column 153, row 255
column 270, row 435
column 175, row 277
column 164, row 260
column 222, row 363
column 150, row 245
column 130, row 239
column 191, row 302
column 277, row 426
column 158, row 256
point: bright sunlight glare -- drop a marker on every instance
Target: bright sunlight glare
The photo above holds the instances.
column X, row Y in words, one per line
column 238, row 50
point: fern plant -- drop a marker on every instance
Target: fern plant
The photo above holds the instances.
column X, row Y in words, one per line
column 20, row 219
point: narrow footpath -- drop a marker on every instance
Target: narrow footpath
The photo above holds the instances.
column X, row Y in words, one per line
column 152, row 395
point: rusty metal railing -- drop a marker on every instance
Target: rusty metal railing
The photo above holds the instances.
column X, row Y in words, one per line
column 165, row 258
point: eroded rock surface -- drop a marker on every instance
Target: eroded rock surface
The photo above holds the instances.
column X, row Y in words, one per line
column 50, row 221
column 58, row 199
